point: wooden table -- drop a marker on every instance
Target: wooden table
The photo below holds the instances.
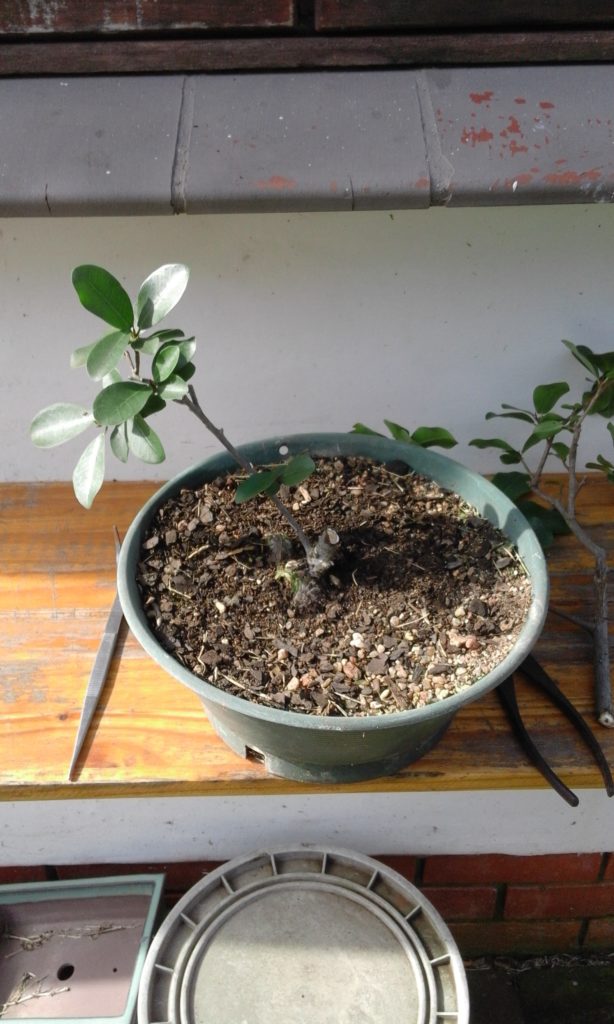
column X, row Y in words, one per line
column 151, row 735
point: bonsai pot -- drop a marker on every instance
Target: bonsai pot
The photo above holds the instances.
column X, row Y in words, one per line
column 338, row 749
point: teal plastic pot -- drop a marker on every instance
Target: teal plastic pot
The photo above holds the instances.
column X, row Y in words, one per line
column 314, row 749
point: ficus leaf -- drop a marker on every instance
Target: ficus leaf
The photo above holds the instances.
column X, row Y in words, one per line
column 88, row 474
column 513, row 484
column 545, row 396
column 584, row 356
column 79, row 356
column 119, row 442
column 296, row 470
column 398, row 432
column 431, row 437
column 106, row 354
column 493, row 442
column 152, row 342
column 256, row 483
column 144, row 442
column 165, row 361
column 173, row 389
column 153, row 405
column 518, row 414
column 120, row 402
column 58, row 423
column 160, row 293
column 102, row 294
column 362, row 428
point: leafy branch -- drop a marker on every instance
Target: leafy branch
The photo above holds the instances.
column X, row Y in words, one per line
column 122, row 409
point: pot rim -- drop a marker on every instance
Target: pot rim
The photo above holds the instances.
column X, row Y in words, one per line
column 421, row 460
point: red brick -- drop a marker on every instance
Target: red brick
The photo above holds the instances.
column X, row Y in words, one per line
column 495, row 867
column 560, row 901
column 463, row 903
column 600, row 934
column 15, row 875
column 406, row 866
column 609, row 868
column 490, row 938
column 179, row 877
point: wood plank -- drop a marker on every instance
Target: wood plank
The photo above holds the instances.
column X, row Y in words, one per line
column 347, row 15
column 121, row 17
column 151, row 735
column 156, row 56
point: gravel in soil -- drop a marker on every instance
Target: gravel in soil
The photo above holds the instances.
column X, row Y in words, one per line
column 425, row 597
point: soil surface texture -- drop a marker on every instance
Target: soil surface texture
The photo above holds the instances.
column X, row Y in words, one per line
column 424, row 597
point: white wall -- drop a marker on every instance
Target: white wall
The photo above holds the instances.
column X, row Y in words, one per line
column 312, row 321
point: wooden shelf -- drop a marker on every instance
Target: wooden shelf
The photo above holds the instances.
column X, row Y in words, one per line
column 151, row 736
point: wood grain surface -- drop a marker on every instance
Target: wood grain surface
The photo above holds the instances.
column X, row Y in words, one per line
column 57, row 580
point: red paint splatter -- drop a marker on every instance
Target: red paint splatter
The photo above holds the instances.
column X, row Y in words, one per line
column 473, row 136
column 561, row 161
column 534, row 170
column 512, row 128
column 422, row 183
column 481, row 97
column 520, row 99
column 333, row 186
column 276, row 182
column 515, row 148
column 573, row 177
column 546, row 105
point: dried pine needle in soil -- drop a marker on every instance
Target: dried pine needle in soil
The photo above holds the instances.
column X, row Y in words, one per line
column 425, row 598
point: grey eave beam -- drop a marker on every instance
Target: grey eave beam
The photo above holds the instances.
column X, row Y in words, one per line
column 330, row 140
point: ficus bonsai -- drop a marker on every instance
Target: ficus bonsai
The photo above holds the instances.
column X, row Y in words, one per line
column 554, row 430
column 122, row 410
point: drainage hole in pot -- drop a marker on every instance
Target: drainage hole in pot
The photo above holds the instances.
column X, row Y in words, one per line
column 283, row 449
column 65, row 972
column 254, row 755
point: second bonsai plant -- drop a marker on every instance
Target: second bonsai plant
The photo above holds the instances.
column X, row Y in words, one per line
column 300, row 631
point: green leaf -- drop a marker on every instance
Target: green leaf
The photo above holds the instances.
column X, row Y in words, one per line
column 561, row 450
column 546, row 428
column 398, row 432
column 144, row 442
column 106, row 354
column 160, row 293
column 153, row 405
column 361, row 428
column 186, row 372
column 296, row 470
column 518, row 414
column 604, row 406
column 584, row 356
column 165, row 362
column 173, row 389
column 510, row 458
column 513, row 484
column 547, row 522
column 120, row 402
column 610, row 429
column 431, row 437
column 89, row 472
column 59, row 423
column 112, row 377
column 256, row 483
column 493, row 442
column 79, row 356
column 152, row 342
column 533, row 513
column 187, row 348
column 545, row 396
column 104, row 296
column 119, row 441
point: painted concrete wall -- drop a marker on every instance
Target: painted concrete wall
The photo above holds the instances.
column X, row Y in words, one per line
column 313, row 321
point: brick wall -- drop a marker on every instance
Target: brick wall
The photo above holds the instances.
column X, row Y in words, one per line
column 493, row 904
